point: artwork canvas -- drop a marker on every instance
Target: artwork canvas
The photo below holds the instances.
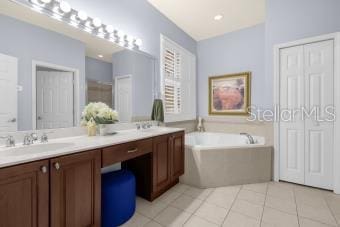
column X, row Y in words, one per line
column 229, row 94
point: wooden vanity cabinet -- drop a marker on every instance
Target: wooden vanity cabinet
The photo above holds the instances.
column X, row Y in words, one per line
column 76, row 190
column 24, row 195
column 168, row 162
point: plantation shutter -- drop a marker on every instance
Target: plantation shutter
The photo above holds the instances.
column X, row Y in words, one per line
column 172, row 80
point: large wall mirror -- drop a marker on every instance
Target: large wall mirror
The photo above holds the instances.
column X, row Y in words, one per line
column 50, row 70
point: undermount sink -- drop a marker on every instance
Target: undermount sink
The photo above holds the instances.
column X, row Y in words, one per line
column 34, row 149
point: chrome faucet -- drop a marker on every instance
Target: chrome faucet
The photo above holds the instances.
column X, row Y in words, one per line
column 44, row 138
column 30, row 138
column 250, row 138
column 10, row 141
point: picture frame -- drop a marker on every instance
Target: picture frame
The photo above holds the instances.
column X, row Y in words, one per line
column 230, row 94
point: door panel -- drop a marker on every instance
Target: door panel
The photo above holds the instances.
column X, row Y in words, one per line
column 75, row 190
column 55, row 100
column 319, row 79
column 161, row 162
column 292, row 126
column 177, row 155
column 24, row 195
column 8, row 93
column 123, row 98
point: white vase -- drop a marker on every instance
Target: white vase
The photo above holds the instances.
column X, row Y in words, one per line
column 105, row 129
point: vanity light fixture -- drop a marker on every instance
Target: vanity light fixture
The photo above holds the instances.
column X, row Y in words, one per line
column 82, row 15
column 138, row 42
column 100, row 56
column 62, row 11
column 45, row 1
column 218, row 17
column 65, row 7
column 109, row 28
column 97, row 22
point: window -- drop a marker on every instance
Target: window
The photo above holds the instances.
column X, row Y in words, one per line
column 178, row 82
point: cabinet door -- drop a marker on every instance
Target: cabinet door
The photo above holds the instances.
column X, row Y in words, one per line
column 75, row 190
column 24, row 194
column 177, row 155
column 161, row 162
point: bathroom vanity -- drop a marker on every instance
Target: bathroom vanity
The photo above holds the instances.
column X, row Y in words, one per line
column 63, row 187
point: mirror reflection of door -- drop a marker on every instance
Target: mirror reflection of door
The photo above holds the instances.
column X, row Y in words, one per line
column 55, row 91
column 8, row 93
column 98, row 91
column 123, row 98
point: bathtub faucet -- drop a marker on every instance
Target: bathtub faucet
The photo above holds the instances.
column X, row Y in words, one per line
column 250, row 138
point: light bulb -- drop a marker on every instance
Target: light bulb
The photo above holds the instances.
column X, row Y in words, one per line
column 82, row 15
column 45, row 1
column 65, row 7
column 109, row 28
column 97, row 22
column 128, row 38
column 139, row 42
column 120, row 34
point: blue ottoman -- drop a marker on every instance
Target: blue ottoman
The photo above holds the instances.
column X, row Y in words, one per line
column 118, row 197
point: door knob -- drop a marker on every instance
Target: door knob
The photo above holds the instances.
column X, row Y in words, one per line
column 13, row 120
column 39, row 118
column 57, row 165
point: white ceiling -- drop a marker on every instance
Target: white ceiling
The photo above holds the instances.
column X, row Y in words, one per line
column 196, row 17
column 94, row 45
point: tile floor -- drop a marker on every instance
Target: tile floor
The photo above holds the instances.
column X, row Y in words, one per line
column 266, row 204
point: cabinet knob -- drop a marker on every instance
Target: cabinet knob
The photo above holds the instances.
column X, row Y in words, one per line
column 43, row 169
column 57, row 165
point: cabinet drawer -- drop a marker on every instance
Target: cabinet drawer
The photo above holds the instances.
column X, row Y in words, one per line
column 123, row 152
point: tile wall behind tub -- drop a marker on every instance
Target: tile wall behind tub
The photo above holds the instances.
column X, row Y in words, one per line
column 189, row 126
column 238, row 125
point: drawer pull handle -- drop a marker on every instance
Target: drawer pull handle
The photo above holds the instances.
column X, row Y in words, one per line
column 133, row 150
column 43, row 169
column 57, row 166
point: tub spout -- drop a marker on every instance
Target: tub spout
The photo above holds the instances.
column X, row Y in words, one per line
column 250, row 138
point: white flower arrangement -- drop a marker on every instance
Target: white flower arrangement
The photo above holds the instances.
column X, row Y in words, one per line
column 100, row 113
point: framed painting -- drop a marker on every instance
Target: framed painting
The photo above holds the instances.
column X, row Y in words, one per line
column 230, row 94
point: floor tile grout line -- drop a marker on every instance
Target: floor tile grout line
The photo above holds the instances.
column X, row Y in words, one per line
column 193, row 214
column 264, row 205
column 333, row 215
column 232, row 204
column 296, row 207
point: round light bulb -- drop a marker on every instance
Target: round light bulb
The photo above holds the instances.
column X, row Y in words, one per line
column 128, row 38
column 109, row 28
column 45, row 1
column 139, row 42
column 97, row 22
column 65, row 7
column 82, row 15
column 120, row 34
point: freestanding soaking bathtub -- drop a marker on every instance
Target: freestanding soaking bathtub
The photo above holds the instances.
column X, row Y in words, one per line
column 220, row 159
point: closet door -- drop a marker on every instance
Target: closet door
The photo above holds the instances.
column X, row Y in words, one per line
column 319, row 94
column 292, row 92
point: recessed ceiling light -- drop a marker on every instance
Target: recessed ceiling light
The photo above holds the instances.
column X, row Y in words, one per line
column 218, row 17
column 100, row 56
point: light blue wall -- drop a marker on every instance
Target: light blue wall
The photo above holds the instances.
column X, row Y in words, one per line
column 234, row 52
column 28, row 42
column 98, row 70
column 142, row 68
column 289, row 20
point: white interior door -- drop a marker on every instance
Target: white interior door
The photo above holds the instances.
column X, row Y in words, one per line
column 319, row 80
column 123, row 98
column 8, row 93
column 292, row 98
column 55, row 99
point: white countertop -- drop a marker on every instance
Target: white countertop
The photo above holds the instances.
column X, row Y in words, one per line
column 79, row 144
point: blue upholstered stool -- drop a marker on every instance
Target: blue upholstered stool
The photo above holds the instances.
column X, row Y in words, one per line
column 118, row 197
